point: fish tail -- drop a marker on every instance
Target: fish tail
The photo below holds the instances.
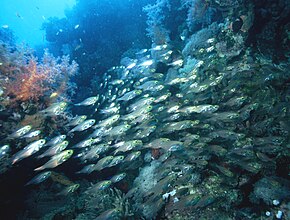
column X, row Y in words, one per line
column 40, row 156
column 14, row 161
column 28, row 183
column 39, row 168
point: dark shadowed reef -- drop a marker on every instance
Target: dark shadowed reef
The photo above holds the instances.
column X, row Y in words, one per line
column 159, row 109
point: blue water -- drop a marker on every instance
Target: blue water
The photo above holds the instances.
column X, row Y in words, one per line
column 25, row 18
column 168, row 109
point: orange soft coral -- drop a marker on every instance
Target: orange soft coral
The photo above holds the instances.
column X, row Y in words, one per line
column 24, row 80
column 28, row 83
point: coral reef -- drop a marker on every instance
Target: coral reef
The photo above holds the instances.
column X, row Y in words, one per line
column 111, row 204
column 156, row 30
column 194, row 127
column 199, row 40
column 26, row 80
column 28, row 86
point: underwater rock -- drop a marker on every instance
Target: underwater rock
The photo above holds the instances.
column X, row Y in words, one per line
column 269, row 189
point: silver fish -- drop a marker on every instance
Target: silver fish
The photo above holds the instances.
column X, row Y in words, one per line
column 56, row 140
column 32, row 134
column 77, row 120
column 39, row 178
column 55, row 109
column 20, row 132
column 56, row 160
column 89, row 101
column 55, row 149
column 28, row 150
column 83, row 126
column 4, row 150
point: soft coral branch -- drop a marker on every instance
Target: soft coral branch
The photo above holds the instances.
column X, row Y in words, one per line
column 27, row 84
column 23, row 79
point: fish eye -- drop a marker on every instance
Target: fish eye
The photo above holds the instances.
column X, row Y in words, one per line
column 276, row 140
column 5, row 147
column 22, row 132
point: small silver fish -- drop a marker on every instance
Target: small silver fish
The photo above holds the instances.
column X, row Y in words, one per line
column 56, row 160
column 118, row 177
column 28, row 150
column 159, row 47
column 20, row 132
column 69, row 189
column 104, row 162
column 55, row 109
column 4, row 150
column 85, row 143
column 83, row 126
column 141, row 51
column 87, row 169
column 116, row 160
column 118, row 130
column 102, row 185
column 130, row 95
column 108, row 121
column 77, row 120
column 133, row 156
column 55, row 149
column 109, row 111
column 88, row 101
column 32, row 134
column 39, row 178
column 56, row 140
column 178, row 63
